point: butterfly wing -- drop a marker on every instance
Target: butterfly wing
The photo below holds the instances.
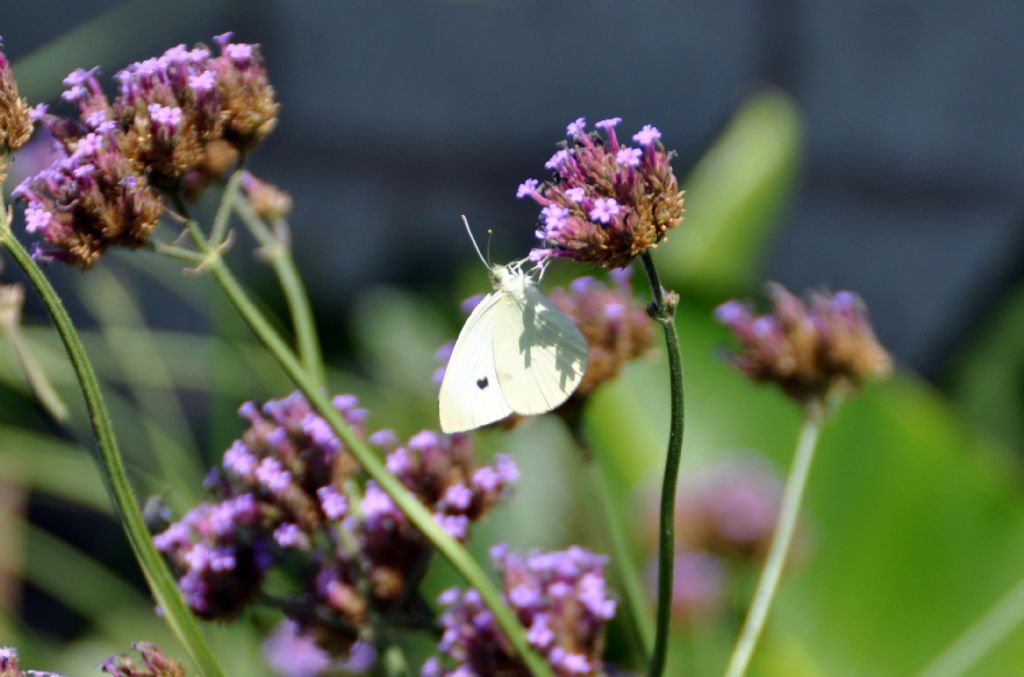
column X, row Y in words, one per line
column 470, row 396
column 539, row 354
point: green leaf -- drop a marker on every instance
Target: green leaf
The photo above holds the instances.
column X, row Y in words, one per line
column 735, row 196
column 914, row 520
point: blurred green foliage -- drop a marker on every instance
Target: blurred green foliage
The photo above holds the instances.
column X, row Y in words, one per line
column 915, row 520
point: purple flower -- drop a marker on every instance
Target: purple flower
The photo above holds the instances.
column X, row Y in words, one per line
column 576, row 128
column 558, row 159
column 281, row 506
column 290, row 653
column 458, row 496
column 618, row 201
column 576, row 194
column 647, row 135
column 203, row 83
column 334, row 505
column 809, row 347
column 486, row 479
column 540, row 634
column 37, row 219
column 456, row 526
column 630, row 157
column 527, row 188
column 385, row 439
column 239, row 53
column 289, row 535
column 37, row 112
column 165, row 118
column 605, row 209
column 466, row 307
column 377, row 505
column 92, row 173
column 554, row 598
column 89, row 145
column 238, row 460
column 554, row 216
column 272, row 475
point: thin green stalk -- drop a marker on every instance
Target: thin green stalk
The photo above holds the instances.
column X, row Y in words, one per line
column 279, row 253
column 219, row 229
column 981, row 637
column 789, row 510
column 161, row 583
column 663, row 310
column 418, row 515
column 179, row 253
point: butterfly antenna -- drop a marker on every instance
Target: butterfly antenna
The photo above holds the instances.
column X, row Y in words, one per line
column 490, row 233
column 473, row 240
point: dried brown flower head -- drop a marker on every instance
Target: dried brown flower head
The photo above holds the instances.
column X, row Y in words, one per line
column 15, row 121
column 808, row 349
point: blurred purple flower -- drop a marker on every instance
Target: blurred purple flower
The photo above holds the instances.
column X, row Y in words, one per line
column 559, row 597
column 809, row 349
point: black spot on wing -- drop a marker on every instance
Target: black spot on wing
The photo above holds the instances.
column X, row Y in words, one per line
column 482, row 383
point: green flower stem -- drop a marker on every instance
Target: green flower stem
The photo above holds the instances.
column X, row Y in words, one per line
column 663, row 310
column 278, row 252
column 420, row 517
column 980, row 637
column 219, row 229
column 161, row 583
column 789, row 510
column 180, row 253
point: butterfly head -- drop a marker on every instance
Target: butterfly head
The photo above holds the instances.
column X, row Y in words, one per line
column 512, row 279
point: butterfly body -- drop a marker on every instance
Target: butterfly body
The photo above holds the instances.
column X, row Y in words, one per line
column 517, row 353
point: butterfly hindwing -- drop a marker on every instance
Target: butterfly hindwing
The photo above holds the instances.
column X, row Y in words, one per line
column 539, row 354
column 470, row 394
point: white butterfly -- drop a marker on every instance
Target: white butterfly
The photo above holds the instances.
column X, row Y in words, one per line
column 517, row 353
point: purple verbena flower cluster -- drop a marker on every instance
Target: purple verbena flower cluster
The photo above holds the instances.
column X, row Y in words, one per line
column 288, row 496
column 15, row 120
column 612, row 320
column 808, row 348
column 88, row 200
column 151, row 662
column 560, row 598
column 178, row 121
column 606, row 202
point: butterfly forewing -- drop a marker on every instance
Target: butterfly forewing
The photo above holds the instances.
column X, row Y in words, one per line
column 539, row 354
column 470, row 395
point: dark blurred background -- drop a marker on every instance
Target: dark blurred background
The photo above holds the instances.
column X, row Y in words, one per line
column 399, row 116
